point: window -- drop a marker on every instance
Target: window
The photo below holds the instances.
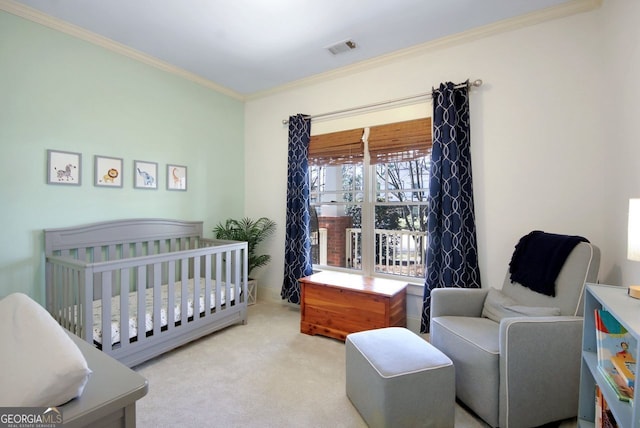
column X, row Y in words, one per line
column 368, row 191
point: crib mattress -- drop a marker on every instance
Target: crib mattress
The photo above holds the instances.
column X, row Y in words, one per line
column 133, row 309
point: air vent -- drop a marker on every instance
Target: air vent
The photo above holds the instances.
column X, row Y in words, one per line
column 342, row 47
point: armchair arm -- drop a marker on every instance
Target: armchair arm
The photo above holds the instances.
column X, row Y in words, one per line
column 464, row 302
column 539, row 369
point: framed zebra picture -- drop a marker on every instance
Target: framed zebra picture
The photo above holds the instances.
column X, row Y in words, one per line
column 64, row 168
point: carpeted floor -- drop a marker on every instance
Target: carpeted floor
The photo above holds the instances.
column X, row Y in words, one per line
column 262, row 374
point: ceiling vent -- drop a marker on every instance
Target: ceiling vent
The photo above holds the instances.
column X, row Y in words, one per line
column 342, row 47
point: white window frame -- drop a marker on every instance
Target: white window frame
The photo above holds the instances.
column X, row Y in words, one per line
column 368, row 206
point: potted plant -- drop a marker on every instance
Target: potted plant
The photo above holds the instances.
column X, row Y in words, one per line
column 253, row 232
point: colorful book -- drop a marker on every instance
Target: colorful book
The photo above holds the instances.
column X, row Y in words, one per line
column 626, row 368
column 613, row 340
column 613, row 379
column 604, row 417
column 599, row 408
column 608, row 420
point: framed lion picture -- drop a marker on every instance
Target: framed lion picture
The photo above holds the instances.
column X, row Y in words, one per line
column 108, row 171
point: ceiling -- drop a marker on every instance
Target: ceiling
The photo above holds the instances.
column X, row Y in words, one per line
column 253, row 46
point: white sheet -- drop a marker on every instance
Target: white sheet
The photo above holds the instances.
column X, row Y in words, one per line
column 133, row 309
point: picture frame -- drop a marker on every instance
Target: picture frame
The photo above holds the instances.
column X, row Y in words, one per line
column 64, row 168
column 145, row 175
column 176, row 177
column 107, row 171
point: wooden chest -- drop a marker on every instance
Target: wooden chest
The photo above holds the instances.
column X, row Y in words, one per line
column 335, row 304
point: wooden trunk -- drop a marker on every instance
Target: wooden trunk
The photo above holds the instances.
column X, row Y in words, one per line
column 336, row 304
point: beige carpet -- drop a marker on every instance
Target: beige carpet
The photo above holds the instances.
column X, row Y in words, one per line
column 262, row 374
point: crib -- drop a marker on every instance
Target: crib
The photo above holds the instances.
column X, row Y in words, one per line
column 137, row 288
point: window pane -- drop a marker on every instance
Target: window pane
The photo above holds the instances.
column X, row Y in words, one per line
column 400, row 239
column 336, row 197
column 401, row 217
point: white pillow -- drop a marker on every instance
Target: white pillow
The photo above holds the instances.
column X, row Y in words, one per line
column 40, row 366
column 498, row 306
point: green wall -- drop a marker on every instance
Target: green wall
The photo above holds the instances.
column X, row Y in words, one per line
column 62, row 93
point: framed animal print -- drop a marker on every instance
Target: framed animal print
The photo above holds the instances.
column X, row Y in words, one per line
column 108, row 171
column 64, row 168
column 176, row 177
column 145, row 175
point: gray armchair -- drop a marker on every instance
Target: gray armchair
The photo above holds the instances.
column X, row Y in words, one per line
column 519, row 364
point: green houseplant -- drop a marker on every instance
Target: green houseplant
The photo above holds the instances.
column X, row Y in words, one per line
column 251, row 231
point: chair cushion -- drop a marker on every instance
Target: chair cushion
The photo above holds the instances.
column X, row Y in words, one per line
column 498, row 306
column 481, row 333
column 473, row 346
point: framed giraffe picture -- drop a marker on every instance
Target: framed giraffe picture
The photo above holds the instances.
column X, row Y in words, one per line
column 176, row 177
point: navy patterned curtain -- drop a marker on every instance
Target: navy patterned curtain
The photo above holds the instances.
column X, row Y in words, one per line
column 452, row 251
column 297, row 251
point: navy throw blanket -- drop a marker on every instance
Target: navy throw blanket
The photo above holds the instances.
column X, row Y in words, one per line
column 538, row 259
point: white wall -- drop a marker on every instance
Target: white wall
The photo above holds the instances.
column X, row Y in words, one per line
column 620, row 167
column 539, row 143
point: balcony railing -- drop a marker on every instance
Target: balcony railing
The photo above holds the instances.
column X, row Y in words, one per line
column 397, row 252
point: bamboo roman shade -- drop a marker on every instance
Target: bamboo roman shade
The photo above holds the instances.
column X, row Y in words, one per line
column 337, row 148
column 400, row 141
column 394, row 142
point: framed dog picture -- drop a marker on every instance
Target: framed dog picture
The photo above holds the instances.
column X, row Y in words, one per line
column 108, row 171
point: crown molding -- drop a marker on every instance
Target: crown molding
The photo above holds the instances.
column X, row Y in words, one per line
column 38, row 17
column 555, row 12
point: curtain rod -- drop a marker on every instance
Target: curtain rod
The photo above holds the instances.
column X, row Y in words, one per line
column 476, row 83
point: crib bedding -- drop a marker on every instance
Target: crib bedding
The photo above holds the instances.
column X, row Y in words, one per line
column 133, row 309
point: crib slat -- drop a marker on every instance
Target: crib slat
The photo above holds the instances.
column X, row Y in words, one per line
column 65, row 297
column 228, row 278
column 157, row 299
column 184, row 295
column 85, row 288
column 237, row 283
column 141, row 290
column 207, row 285
column 218, row 280
column 124, row 308
column 196, row 291
column 106, row 312
column 171, row 302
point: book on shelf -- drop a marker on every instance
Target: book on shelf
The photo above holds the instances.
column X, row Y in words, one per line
column 599, row 398
column 603, row 417
column 613, row 342
column 626, row 368
column 622, row 391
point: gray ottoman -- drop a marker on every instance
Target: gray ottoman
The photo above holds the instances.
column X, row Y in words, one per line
column 397, row 379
